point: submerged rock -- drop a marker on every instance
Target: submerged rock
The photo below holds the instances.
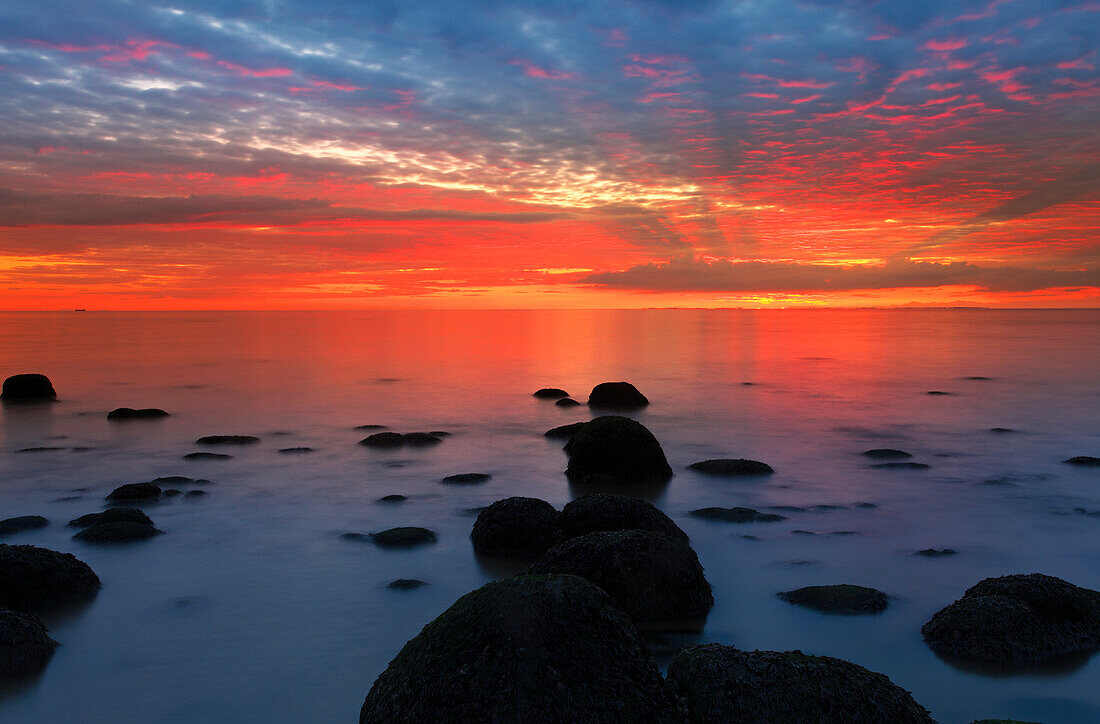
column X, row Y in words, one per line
column 25, row 645
column 936, row 552
column 467, row 479
column 1017, row 619
column 616, row 396
column 295, row 450
column 405, row 584
column 179, row 480
column 731, row 466
column 1001, row 430
column 28, row 388
column 550, row 393
column 563, row 432
column 516, row 527
column 722, row 684
column 843, row 599
column 135, row 492
column 393, row 498
column 116, row 532
column 525, row 649
column 567, row 402
column 655, row 578
column 128, row 413
column 112, row 515
column 396, row 439
column 737, row 515
column 206, row 456
column 21, row 523
column 595, row 513
column 1084, row 461
column 227, row 440
column 613, row 449
column 885, row 453
column 34, row 578
column 405, row 537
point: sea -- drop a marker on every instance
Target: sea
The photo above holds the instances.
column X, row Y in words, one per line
column 253, row 607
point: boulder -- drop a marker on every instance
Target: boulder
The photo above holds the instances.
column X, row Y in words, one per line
column 28, row 388
column 1086, row 461
column 128, row 413
column 599, row 512
column 655, row 578
column 467, row 479
column 731, row 467
column 737, row 515
column 1017, row 619
column 112, row 515
column 616, row 396
column 33, row 578
column 550, row 393
column 134, row 492
column 405, row 537
column 885, row 453
column 719, row 683
column 227, row 440
column 116, row 532
column 525, row 649
column 25, row 645
column 616, row 450
column 21, row 523
column 563, row 432
column 516, row 527
column 844, row 599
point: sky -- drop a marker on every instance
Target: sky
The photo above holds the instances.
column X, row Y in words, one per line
column 342, row 154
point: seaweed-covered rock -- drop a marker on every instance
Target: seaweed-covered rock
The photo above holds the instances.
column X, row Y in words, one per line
column 525, row 649
column 135, row 492
column 35, row 578
column 616, row 450
column 885, row 453
column 28, row 388
column 1086, row 461
column 21, row 523
column 122, row 414
column 722, row 684
column 25, row 645
column 563, row 432
column 616, row 396
column 116, row 532
column 516, row 527
column 112, row 515
column 1017, row 619
column 550, row 393
column 656, row 579
column 467, row 479
column 732, row 466
column 227, row 440
column 842, row 598
column 599, row 512
column 737, row 515
column 404, row 537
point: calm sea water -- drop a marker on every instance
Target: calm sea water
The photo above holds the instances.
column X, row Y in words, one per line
column 252, row 608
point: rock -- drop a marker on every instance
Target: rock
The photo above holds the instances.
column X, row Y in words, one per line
column 406, row 537
column 1017, row 619
column 936, row 553
column 25, row 645
column 594, row 513
column 28, row 388
column 656, row 579
column 135, row 492
column 195, row 494
column 128, row 413
column 567, row 402
column 937, row 392
column 722, row 684
column 405, row 584
column 116, row 532
column 901, row 466
column 727, row 466
column 425, row 438
column 737, row 515
column 112, row 515
column 179, row 480
column 1001, row 430
column 207, row 456
column 21, row 523
column 616, row 450
column 885, row 453
column 172, row 493
column 1084, row 461
column 227, row 440
column 466, row 479
column 39, row 449
column 525, row 649
column 1003, row 721
column 393, row 498
column 616, row 396
column 295, row 450
column 843, row 599
column 370, row 427
column 516, row 527
column 396, row 439
column 34, row 578
column 564, row 432
column 550, row 393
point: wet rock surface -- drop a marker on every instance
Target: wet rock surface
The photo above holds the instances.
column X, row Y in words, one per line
column 33, row 578
column 207, row 456
column 600, row 512
column 25, row 645
column 1085, row 461
column 616, row 450
column 397, row 439
column 516, row 527
column 21, row 523
column 885, row 453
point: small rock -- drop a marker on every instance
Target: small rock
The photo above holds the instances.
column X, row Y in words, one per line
column 616, row 396
column 1001, row 430
column 616, row 450
column 466, row 479
column 134, row 492
column 405, row 584
column 936, row 552
column 22, row 523
column 118, row 532
column 206, row 456
column 295, row 450
column 937, row 392
column 842, row 599
column 195, row 493
column 728, row 466
column 885, row 453
column 1084, row 461
column 39, row 449
column 112, row 515
column 25, row 645
column 227, row 440
column 394, row 498
column 27, row 388
column 128, row 413
column 736, row 515
column 567, row 402
column 550, row 393
column 516, row 527
column 33, row 578
column 370, row 427
column 405, row 537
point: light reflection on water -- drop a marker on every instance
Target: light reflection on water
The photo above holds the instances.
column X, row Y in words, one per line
column 251, row 605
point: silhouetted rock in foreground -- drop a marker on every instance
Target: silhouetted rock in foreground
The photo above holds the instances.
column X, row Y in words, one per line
column 1017, row 619
column 25, row 645
column 1084, row 461
column 885, row 453
column 21, row 523
column 405, row 537
column 516, row 527
column 34, row 578
column 722, row 684
column 595, row 513
column 112, row 515
column 616, row 396
column 132, row 492
column 616, row 450
column 656, row 579
column 550, row 393
column 737, row 515
column 732, row 466
column 28, row 388
column 525, row 649
column 128, row 413
column 116, row 532
column 842, row 598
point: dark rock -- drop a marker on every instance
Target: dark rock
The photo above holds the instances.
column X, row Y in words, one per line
column 656, row 579
column 1001, row 430
column 393, row 498
column 128, row 413
column 135, row 491
column 615, row 449
column 516, row 527
column 736, row 515
column 295, row 450
column 1017, row 619
column 616, row 396
column 405, row 584
column 595, row 513
column 722, row 684
column 885, row 453
column 844, row 599
column 439, row 433
column 567, row 402
column 39, row 449
column 28, row 388
column 406, row 537
column 172, row 492
column 195, row 494
column 728, row 466
column 550, row 393
column 977, row 378
column 466, row 479
column 564, row 432
column 866, row 505
column 206, row 456
column 34, row 578
column 396, row 439
column 21, row 523
column 937, row 392
column 112, row 515
column 1084, row 461
column 179, row 480
column 750, row 537
column 901, row 466
column 936, row 552
column 424, row 438
column 25, row 645
column 118, row 532
column 227, row 440
column 525, row 649
column 370, row 427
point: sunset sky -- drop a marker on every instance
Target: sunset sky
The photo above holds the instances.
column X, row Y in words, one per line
column 576, row 153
